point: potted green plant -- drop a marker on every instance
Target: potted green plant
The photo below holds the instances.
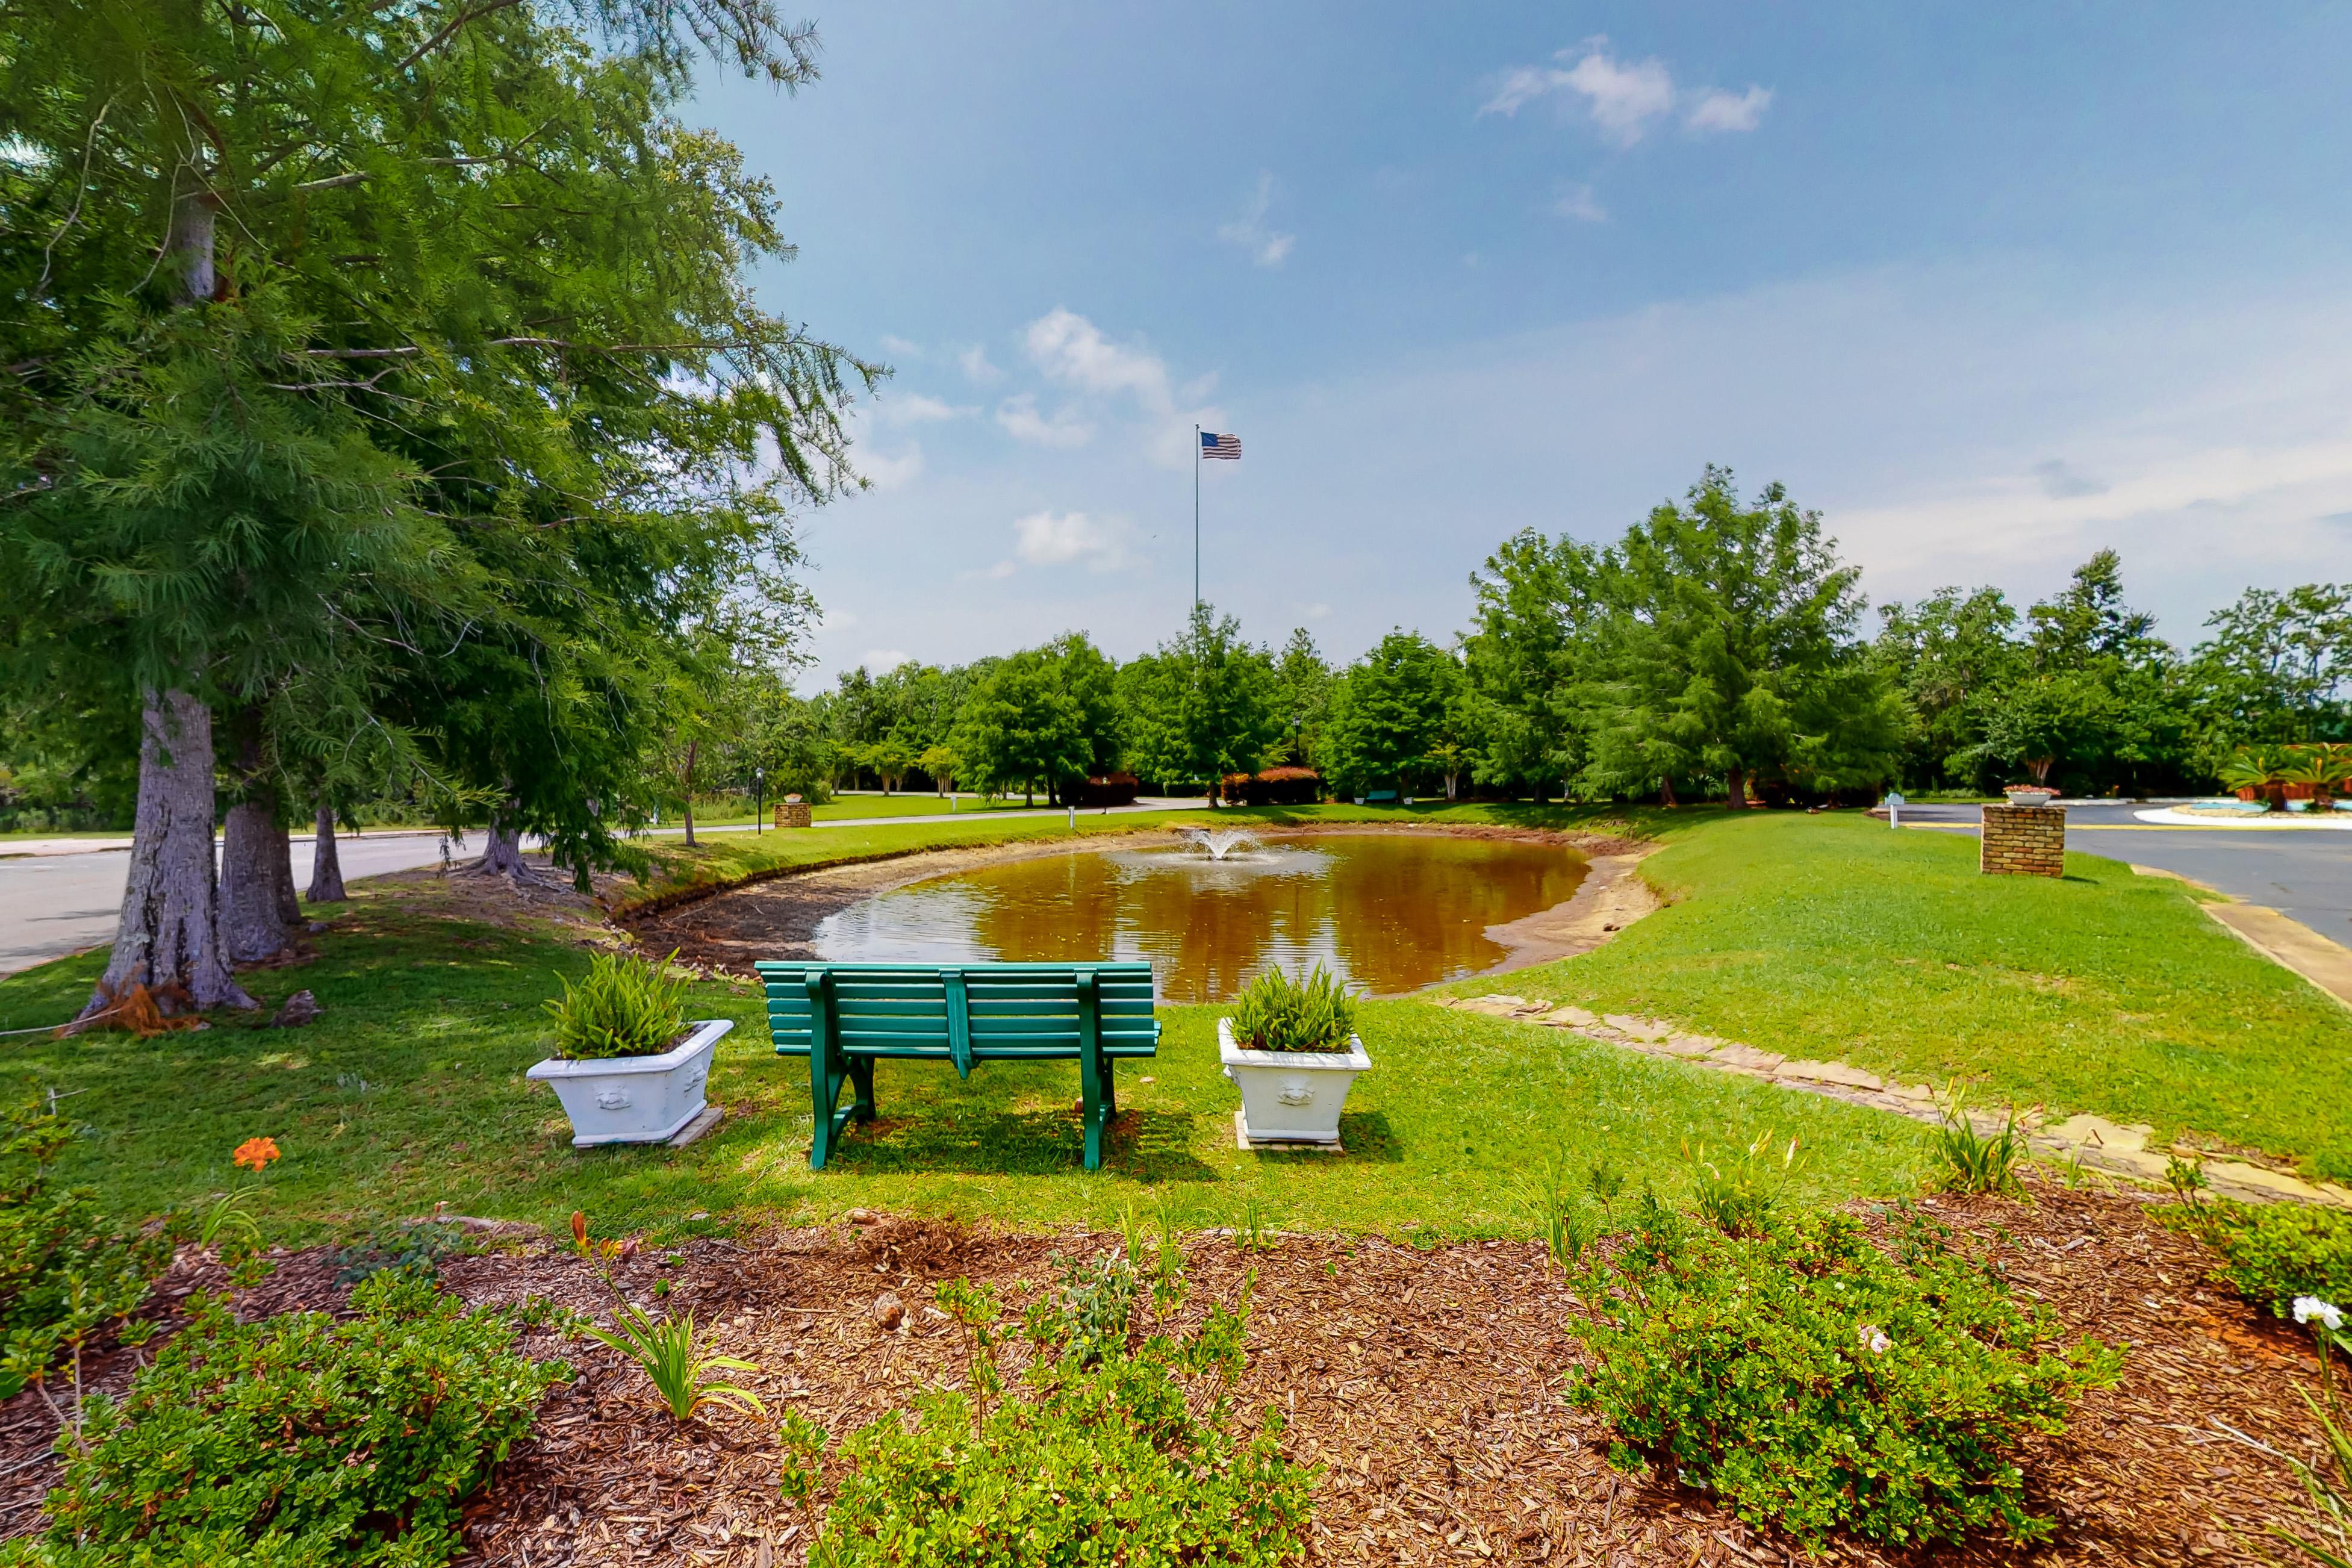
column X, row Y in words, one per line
column 628, row 1065
column 1290, row 1046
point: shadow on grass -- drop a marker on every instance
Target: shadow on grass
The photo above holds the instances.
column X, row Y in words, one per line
column 1365, row 1137
column 1154, row 1145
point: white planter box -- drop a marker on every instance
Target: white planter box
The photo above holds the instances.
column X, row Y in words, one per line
column 634, row 1099
column 1291, row 1097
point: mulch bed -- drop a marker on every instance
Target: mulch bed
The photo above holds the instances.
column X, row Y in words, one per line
column 1427, row 1383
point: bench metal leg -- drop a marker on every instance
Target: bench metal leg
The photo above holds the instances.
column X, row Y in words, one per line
column 861, row 1073
column 1094, row 1104
column 825, row 1077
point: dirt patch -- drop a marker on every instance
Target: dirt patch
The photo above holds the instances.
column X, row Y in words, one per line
column 1426, row 1383
column 1612, row 897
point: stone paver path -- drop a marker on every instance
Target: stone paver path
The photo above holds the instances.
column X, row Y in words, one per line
column 2099, row 1144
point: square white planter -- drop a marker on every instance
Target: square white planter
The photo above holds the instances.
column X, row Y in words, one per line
column 634, row 1099
column 1291, row 1097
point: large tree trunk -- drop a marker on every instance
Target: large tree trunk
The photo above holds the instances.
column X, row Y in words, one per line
column 169, row 936
column 503, row 847
column 281, row 847
column 252, row 919
column 252, row 922
column 1735, row 791
column 326, row 861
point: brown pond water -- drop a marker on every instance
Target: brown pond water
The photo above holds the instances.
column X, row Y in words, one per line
column 1388, row 912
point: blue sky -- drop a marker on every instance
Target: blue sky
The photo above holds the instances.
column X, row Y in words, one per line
column 1989, row 288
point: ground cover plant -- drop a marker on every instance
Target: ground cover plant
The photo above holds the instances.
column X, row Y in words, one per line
column 1114, row 1443
column 2274, row 1254
column 1813, row 1381
column 298, row 1440
column 68, row 1271
column 1835, row 938
column 1276, row 1013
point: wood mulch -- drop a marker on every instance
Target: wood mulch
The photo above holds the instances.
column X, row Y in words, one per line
column 1426, row 1383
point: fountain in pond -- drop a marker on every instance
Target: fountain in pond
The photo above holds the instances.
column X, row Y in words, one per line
column 1219, row 842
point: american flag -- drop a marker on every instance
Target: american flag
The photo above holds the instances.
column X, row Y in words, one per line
column 1214, row 445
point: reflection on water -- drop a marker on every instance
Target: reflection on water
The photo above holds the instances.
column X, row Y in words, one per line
column 1415, row 910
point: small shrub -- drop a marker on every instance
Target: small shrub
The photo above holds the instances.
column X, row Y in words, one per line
column 416, row 1249
column 626, row 1006
column 67, row 1273
column 1276, row 1013
column 300, row 1440
column 1112, row 1456
column 1815, row 1382
column 2273, row 1253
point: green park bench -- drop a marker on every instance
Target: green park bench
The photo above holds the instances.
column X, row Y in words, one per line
column 845, row 1016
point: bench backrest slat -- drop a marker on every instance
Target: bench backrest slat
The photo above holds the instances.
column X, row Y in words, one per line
column 962, row 1012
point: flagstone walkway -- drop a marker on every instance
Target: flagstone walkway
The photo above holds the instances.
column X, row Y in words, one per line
column 2097, row 1143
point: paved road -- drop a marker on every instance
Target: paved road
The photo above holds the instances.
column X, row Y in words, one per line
column 2304, row 873
column 53, row 904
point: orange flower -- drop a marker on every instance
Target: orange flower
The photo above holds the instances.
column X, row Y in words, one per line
column 580, row 1230
column 255, row 1153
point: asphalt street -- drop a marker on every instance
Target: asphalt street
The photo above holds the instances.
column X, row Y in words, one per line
column 56, row 904
column 2304, row 873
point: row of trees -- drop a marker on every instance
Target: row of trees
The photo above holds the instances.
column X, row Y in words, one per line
column 1718, row 647
column 386, row 411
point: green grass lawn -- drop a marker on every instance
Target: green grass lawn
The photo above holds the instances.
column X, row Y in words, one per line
column 1833, row 937
column 409, row 1091
column 849, row 807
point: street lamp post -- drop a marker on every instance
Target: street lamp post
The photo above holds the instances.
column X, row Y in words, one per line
column 759, row 800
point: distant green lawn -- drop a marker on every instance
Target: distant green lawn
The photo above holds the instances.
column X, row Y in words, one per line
column 849, row 807
column 409, row 1091
column 1836, row 937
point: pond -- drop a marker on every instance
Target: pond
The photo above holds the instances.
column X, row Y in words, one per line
column 1388, row 912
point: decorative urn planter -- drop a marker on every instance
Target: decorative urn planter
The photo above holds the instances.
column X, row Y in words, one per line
column 1291, row 1097
column 2030, row 794
column 636, row 1100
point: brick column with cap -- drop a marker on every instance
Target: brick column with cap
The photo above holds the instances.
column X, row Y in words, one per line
column 2023, row 841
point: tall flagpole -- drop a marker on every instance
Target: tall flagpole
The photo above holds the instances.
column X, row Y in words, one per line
column 1196, row 517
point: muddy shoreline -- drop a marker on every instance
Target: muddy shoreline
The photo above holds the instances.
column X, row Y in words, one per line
column 731, row 930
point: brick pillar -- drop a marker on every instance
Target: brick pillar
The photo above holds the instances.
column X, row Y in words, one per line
column 795, row 814
column 2023, row 841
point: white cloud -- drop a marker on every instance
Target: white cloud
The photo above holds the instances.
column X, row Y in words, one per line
column 1050, row 539
column 1022, row 421
column 1069, row 348
column 1072, row 351
column 1579, row 202
column 883, row 660
column 996, row 573
column 974, row 361
column 886, row 472
column 915, row 408
column 894, row 344
column 1624, row 98
column 1266, row 248
column 1719, row 111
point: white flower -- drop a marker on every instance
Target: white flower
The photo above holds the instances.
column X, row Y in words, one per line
column 1873, row 1339
column 2309, row 1306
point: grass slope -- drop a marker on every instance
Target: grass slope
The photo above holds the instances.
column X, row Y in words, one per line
column 1832, row 937
column 409, row 1091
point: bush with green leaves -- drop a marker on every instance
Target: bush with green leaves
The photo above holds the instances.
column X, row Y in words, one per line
column 2273, row 1253
column 1103, row 1455
column 626, row 1005
column 67, row 1273
column 1276, row 1013
column 1813, row 1380
column 298, row 1441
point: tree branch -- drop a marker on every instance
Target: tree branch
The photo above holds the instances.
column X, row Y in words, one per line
column 450, row 30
